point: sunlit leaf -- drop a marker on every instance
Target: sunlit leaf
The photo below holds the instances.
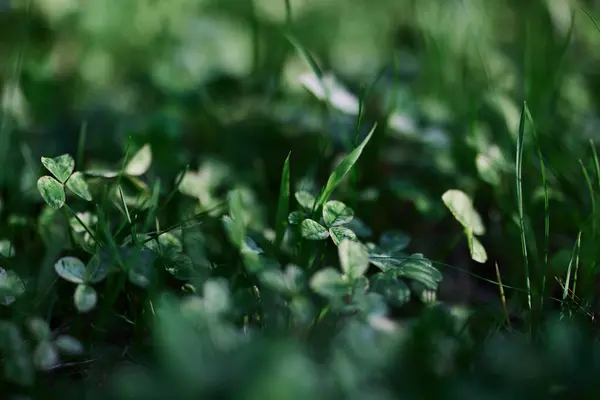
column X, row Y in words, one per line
column 339, row 233
column 140, row 162
column 462, row 208
column 71, row 269
column 52, row 191
column 336, row 213
column 45, row 355
column 312, row 230
column 85, row 298
column 78, row 185
column 329, row 283
column 354, row 258
column 476, row 249
column 305, row 199
column 61, row 167
column 68, row 345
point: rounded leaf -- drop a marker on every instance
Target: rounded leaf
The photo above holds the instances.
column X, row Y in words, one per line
column 7, row 250
column 329, row 283
column 61, row 167
column 354, row 258
column 180, row 266
column 11, row 286
column 393, row 290
column 45, row 356
column 461, row 206
column 312, row 230
column 85, row 298
column 305, row 199
column 296, row 217
column 68, row 345
column 97, row 268
column 476, row 249
column 140, row 265
column 337, row 213
column 79, row 186
column 339, row 233
column 140, row 162
column 39, row 328
column 71, row 269
column 52, row 191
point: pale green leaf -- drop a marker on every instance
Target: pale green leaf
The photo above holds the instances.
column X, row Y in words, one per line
column 79, row 186
column 463, row 210
column 52, row 191
column 339, row 233
column 85, row 298
column 140, row 162
column 312, row 230
column 354, row 258
column 61, row 167
column 336, row 213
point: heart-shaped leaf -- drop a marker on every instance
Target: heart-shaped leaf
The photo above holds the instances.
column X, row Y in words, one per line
column 305, row 199
column 61, row 167
column 79, row 186
column 85, row 298
column 461, row 206
column 312, row 230
column 339, row 233
column 45, row 355
column 140, row 162
column 71, row 269
column 296, row 217
column 354, row 258
column 68, row 345
column 337, row 213
column 329, row 283
column 52, row 191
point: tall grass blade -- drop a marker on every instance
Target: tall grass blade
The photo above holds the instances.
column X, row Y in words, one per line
column 283, row 206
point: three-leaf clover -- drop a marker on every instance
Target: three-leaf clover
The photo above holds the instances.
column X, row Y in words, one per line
column 52, row 188
column 335, row 214
column 75, row 271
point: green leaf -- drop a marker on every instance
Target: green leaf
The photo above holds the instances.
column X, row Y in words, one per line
column 476, row 249
column 354, row 258
column 11, row 286
column 39, row 328
column 421, row 270
column 52, row 191
column 329, row 283
column 139, row 263
column 305, row 199
column 235, row 231
column 85, row 298
column 71, row 269
column 61, row 167
column 68, row 345
column 391, row 288
column 296, row 217
column 78, row 185
column 339, row 233
column 336, row 213
column 343, row 168
column 140, row 162
column 97, row 268
column 312, row 230
column 283, row 205
column 7, row 249
column 45, row 355
column 290, row 281
column 461, row 206
column 180, row 266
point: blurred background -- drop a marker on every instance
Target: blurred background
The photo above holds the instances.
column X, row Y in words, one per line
column 224, row 87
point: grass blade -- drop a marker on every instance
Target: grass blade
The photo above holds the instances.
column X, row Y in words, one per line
column 519, row 176
column 283, row 206
column 342, row 169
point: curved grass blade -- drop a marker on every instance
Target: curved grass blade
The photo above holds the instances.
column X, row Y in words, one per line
column 342, row 169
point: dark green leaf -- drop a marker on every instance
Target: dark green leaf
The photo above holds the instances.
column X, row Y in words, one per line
column 78, row 185
column 283, row 204
column 312, row 230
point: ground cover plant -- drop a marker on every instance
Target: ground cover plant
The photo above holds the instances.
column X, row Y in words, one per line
column 299, row 199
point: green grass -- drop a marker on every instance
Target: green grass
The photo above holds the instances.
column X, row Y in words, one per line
column 289, row 201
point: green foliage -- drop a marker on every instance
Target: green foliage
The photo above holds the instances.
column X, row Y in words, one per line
column 173, row 255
